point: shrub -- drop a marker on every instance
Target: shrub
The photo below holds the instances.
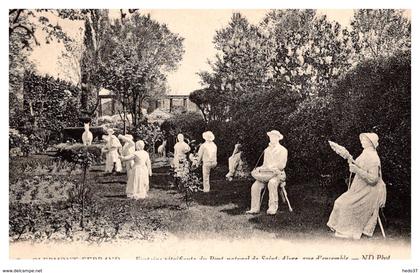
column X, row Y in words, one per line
column 190, row 124
column 49, row 105
column 70, row 152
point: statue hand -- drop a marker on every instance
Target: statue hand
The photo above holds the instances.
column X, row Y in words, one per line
column 353, row 168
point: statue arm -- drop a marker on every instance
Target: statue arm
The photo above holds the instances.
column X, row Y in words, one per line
column 371, row 175
column 200, row 154
column 187, row 148
column 149, row 165
column 127, row 158
column 282, row 160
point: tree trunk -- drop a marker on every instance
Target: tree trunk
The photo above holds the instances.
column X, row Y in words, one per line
column 134, row 110
column 124, row 113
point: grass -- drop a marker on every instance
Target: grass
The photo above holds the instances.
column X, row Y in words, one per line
column 219, row 214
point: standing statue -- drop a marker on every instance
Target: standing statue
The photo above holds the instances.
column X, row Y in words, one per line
column 207, row 153
column 112, row 163
column 234, row 161
column 142, row 169
column 127, row 150
column 180, row 153
column 356, row 211
column 162, row 149
column 275, row 159
column 87, row 135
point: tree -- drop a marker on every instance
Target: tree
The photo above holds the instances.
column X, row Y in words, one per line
column 25, row 29
column 380, row 32
column 70, row 61
column 139, row 53
column 309, row 51
column 26, row 22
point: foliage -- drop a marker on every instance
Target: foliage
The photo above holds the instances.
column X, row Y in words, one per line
column 20, row 141
column 380, row 32
column 72, row 152
column 149, row 133
column 25, row 28
column 139, row 53
column 188, row 181
column 49, row 106
column 190, row 124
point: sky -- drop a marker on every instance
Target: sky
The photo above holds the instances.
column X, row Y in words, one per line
column 198, row 27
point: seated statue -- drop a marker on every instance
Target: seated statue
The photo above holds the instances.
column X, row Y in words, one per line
column 234, row 161
column 275, row 159
column 356, row 211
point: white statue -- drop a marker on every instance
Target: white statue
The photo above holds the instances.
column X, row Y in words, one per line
column 208, row 155
column 234, row 161
column 275, row 159
column 112, row 163
column 162, row 148
column 127, row 150
column 356, row 211
column 180, row 150
column 87, row 136
column 142, row 169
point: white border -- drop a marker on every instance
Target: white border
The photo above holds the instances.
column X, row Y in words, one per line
column 136, row 266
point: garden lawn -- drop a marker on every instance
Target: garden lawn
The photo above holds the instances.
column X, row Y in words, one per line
column 110, row 216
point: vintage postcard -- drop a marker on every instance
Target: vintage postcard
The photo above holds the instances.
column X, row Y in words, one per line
column 210, row 134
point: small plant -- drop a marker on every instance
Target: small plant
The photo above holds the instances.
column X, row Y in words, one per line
column 188, row 180
column 84, row 159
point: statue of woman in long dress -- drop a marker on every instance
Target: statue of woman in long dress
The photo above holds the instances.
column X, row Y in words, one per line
column 141, row 171
column 356, row 211
column 127, row 150
column 181, row 149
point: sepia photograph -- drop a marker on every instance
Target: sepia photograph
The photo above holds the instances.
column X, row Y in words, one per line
column 209, row 134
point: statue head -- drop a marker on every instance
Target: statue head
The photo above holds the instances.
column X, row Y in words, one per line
column 180, row 137
column 110, row 131
column 140, row 145
column 208, row 136
column 369, row 140
column 274, row 136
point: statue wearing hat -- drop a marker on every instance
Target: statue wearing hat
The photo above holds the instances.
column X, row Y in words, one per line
column 275, row 159
column 356, row 211
column 207, row 153
column 112, row 163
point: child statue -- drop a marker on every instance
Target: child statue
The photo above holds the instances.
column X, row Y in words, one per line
column 180, row 152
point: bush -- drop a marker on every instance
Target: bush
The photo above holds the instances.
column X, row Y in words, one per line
column 18, row 143
column 49, row 105
column 70, row 152
column 190, row 124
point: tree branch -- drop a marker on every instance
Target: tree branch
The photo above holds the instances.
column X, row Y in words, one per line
column 19, row 11
column 28, row 31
